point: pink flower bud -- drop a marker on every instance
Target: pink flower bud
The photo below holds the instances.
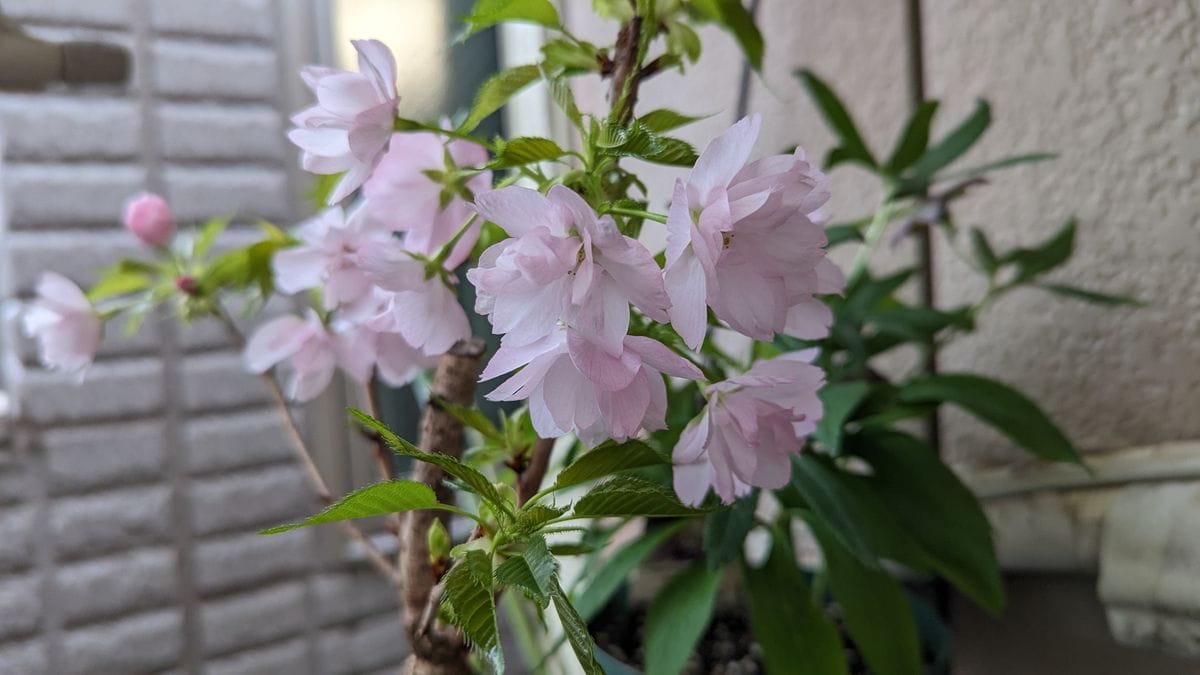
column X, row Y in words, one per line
column 149, row 218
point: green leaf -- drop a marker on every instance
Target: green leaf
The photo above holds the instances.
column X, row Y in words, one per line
column 840, row 401
column 672, row 152
column 208, row 236
column 1000, row 406
column 532, row 517
column 526, row 150
column 477, row 482
column 470, row 417
column 532, row 571
column 617, row 569
column 955, row 143
column 795, row 636
column 1091, row 296
column 1033, row 262
column 851, row 148
column 560, row 91
column 119, row 281
column 576, row 631
column 607, row 459
column 394, row 496
column 984, row 255
column 631, row 496
column 735, row 18
column 819, row 482
column 491, row 12
column 874, row 608
column 840, row 234
column 1004, row 163
column 496, row 91
column 572, row 56
column 931, row 505
column 683, row 41
column 242, row 268
column 469, row 594
column 725, row 530
column 914, row 141
column 665, row 119
column 678, row 616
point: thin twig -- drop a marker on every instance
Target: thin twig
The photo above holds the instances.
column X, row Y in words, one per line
column 530, row 480
column 374, row 555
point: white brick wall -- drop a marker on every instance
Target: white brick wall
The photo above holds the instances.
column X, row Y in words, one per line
column 129, row 505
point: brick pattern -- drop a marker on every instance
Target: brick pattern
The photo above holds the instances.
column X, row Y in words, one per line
column 129, row 505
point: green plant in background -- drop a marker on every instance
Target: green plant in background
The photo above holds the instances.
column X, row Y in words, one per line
column 646, row 406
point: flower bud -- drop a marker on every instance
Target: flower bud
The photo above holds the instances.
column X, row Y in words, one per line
column 149, row 218
column 438, row 540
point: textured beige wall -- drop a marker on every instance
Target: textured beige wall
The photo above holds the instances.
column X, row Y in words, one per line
column 1114, row 88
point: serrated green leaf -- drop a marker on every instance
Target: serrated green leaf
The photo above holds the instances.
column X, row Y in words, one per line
column 477, row 482
column 1031, row 263
column 496, row 91
column 851, row 147
column 840, row 401
column 677, row 617
column 914, row 140
column 560, row 91
column 471, row 417
column 738, row 21
column 470, row 595
column 616, row 569
column 394, row 496
column 955, row 143
column 795, row 636
column 526, row 150
column 631, row 496
column 999, row 405
column 576, row 631
column 607, row 459
column 672, row 152
column 725, row 530
column 491, row 12
column 531, row 518
column 1094, row 297
column 874, row 608
column 911, row 482
column 532, row 571
column 665, row 119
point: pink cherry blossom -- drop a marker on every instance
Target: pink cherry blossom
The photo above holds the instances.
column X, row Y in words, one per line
column 62, row 320
column 743, row 241
column 312, row 352
column 749, row 430
column 150, row 219
column 420, row 307
column 331, row 257
column 349, row 127
column 563, row 264
column 562, row 398
column 401, row 195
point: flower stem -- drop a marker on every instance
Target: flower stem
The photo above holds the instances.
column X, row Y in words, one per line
column 636, row 213
column 879, row 223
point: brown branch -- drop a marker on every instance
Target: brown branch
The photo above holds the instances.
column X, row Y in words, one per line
column 624, row 73
column 436, row 649
column 530, row 480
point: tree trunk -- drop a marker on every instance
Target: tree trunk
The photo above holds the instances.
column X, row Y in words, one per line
column 434, row 649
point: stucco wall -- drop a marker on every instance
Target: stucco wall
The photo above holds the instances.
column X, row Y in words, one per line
column 129, row 505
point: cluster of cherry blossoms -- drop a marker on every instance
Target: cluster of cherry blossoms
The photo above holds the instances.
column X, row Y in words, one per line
column 745, row 245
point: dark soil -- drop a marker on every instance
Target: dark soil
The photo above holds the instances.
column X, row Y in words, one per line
column 727, row 648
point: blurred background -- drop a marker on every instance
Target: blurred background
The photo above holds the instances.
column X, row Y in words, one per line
column 128, row 506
